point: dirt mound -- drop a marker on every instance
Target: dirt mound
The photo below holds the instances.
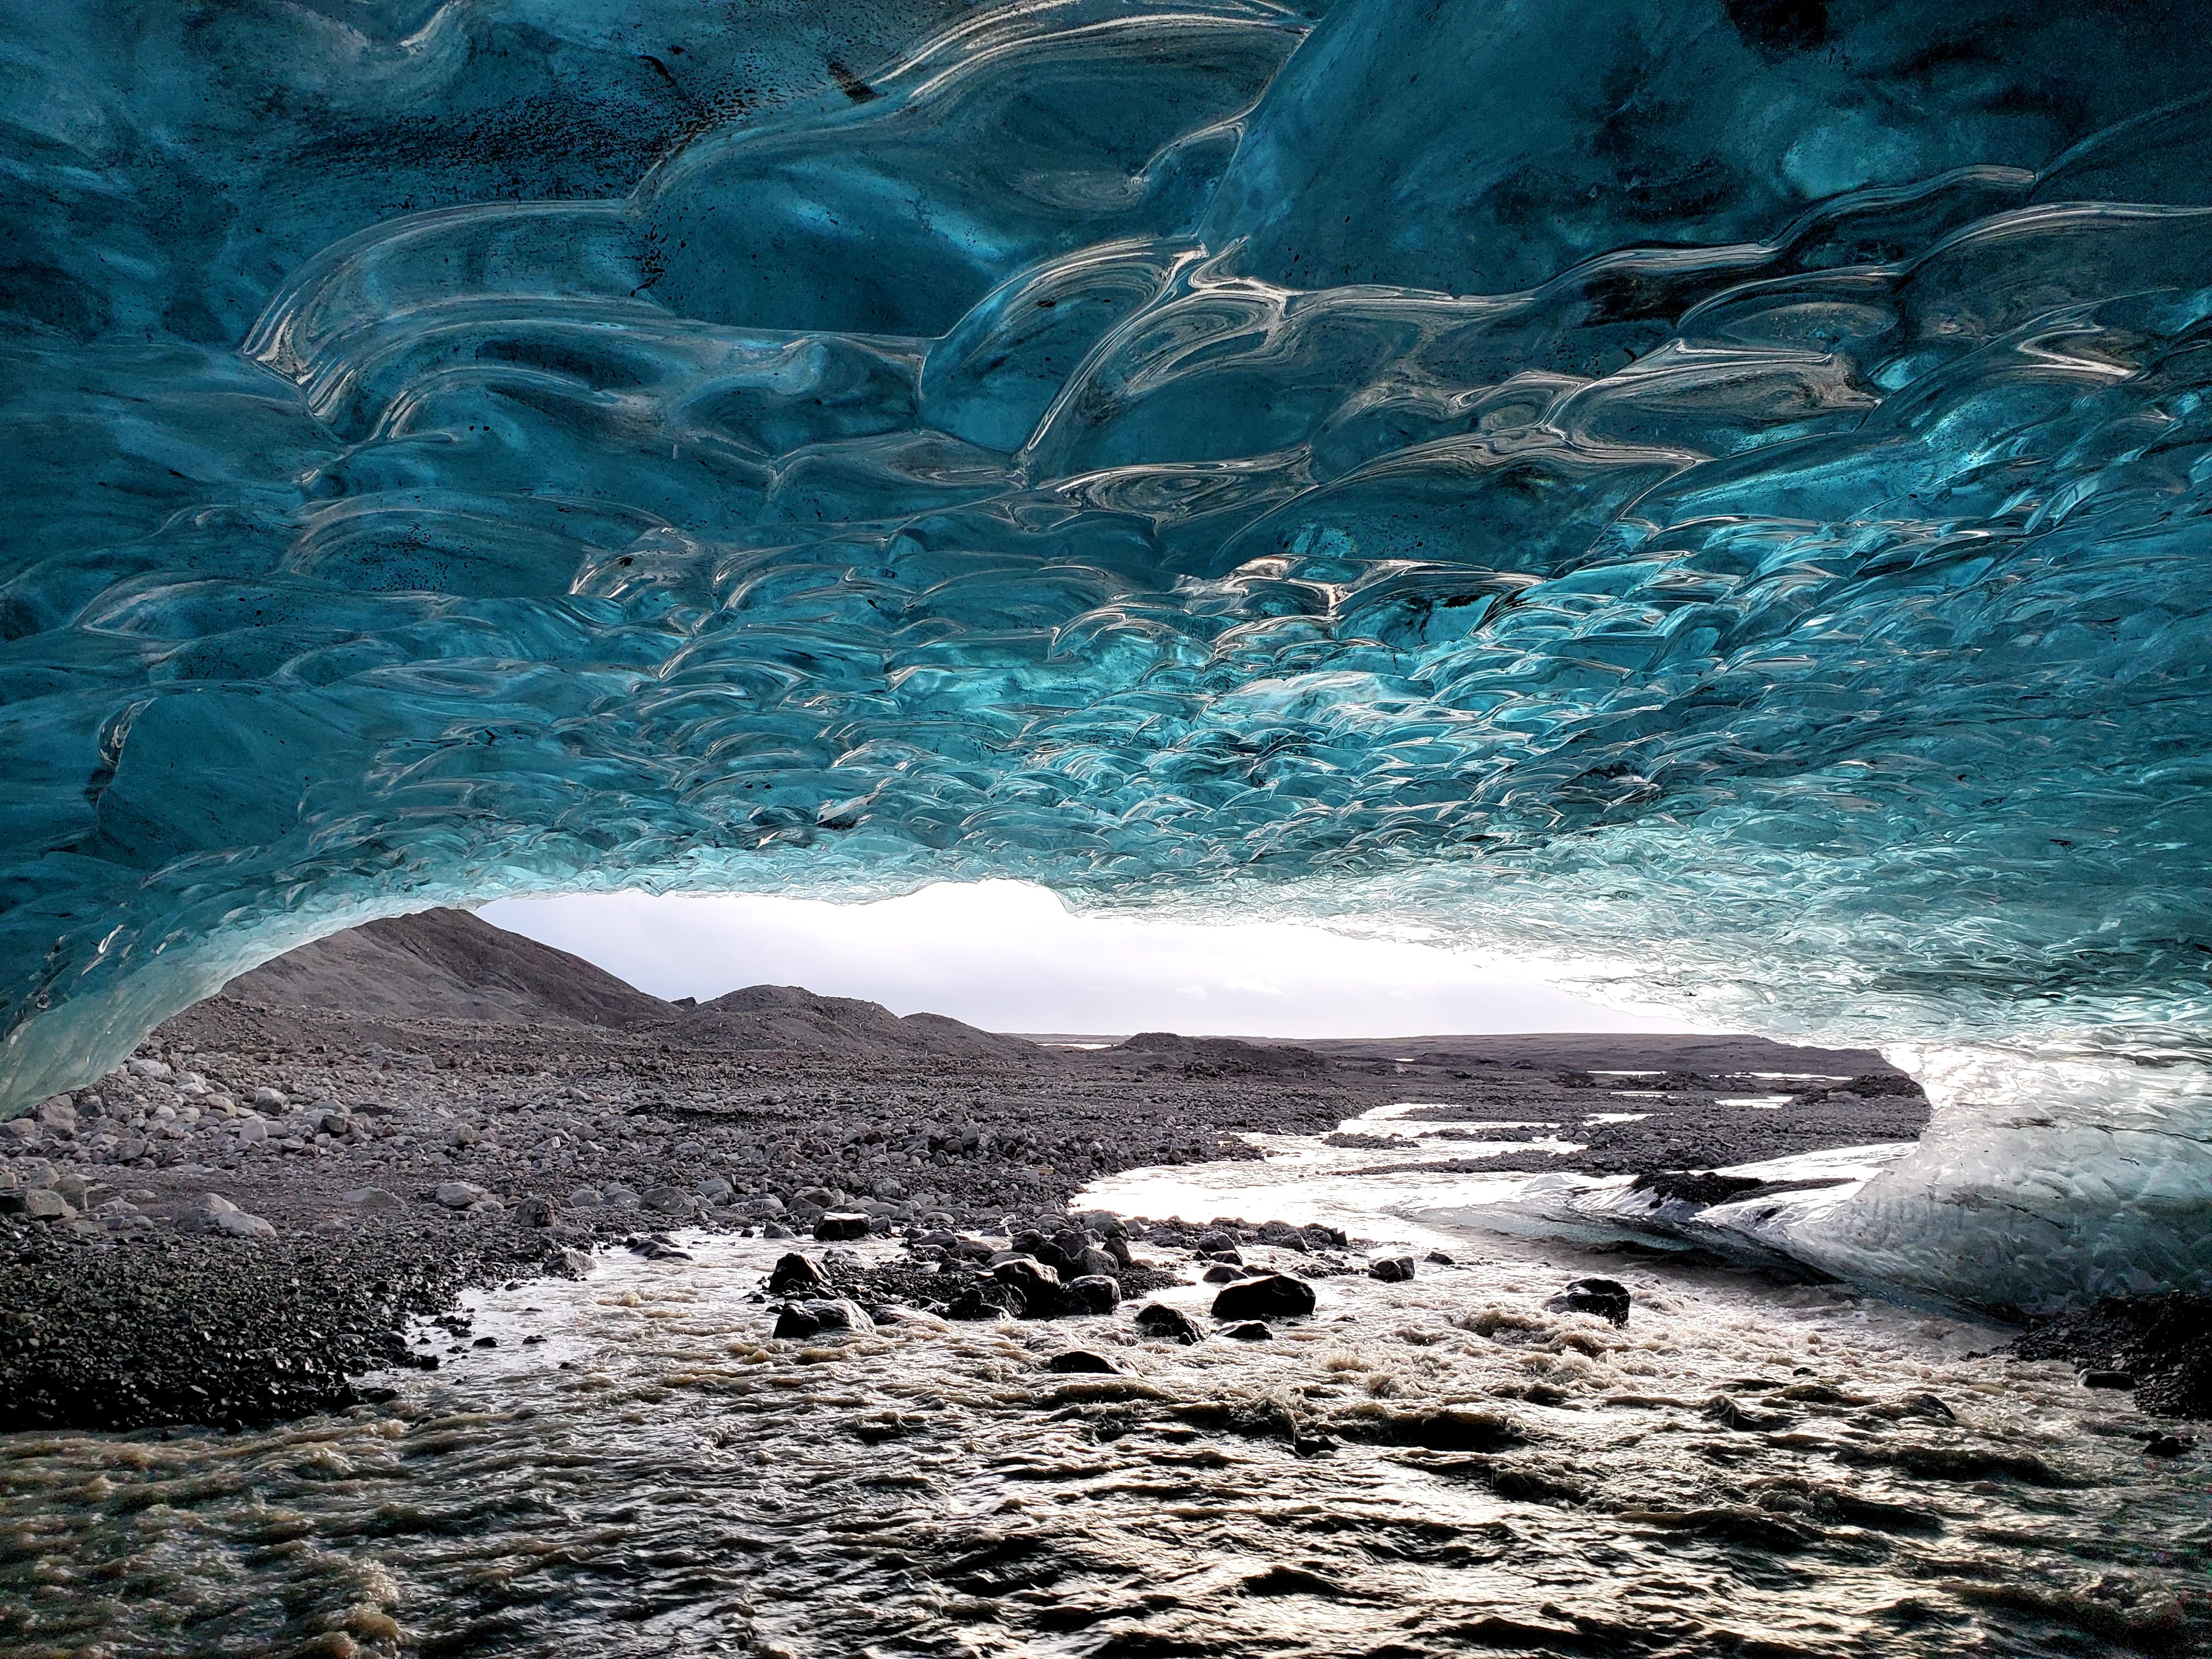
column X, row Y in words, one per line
column 1698, row 1056
column 789, row 1018
column 444, row 965
column 1219, row 1056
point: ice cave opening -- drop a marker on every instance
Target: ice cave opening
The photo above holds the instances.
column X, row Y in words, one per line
column 1706, row 496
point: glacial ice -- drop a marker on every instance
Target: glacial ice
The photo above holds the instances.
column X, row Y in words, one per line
column 1705, row 497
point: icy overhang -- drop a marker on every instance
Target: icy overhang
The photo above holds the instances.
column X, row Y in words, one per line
column 1712, row 491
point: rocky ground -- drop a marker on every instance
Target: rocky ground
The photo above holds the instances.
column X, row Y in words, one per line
column 237, row 1221
column 2158, row 1346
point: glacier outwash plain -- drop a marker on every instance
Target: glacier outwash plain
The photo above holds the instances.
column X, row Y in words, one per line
column 1706, row 496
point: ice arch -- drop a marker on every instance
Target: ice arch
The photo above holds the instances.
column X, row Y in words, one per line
column 1709, row 493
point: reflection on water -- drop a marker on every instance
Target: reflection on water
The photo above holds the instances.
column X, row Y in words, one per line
column 1433, row 1467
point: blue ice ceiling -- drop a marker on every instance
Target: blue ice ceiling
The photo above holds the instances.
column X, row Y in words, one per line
column 1710, row 493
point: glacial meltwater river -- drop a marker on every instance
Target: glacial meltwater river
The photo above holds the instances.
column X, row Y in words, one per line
column 1750, row 1468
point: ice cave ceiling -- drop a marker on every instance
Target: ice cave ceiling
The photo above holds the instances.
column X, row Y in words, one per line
column 1710, row 493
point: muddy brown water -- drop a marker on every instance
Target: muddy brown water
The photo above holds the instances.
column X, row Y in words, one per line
column 1435, row 1467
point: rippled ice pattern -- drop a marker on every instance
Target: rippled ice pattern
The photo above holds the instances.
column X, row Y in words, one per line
column 1705, row 497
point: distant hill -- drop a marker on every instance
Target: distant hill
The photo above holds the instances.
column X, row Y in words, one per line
column 444, row 964
column 770, row 1017
column 447, row 964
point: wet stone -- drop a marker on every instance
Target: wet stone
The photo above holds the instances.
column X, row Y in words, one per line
column 1271, row 1297
column 1091, row 1261
column 837, row 1225
column 1036, row 1287
column 1081, row 1362
column 1392, row 1270
column 1248, row 1330
column 822, row 1316
column 980, row 1299
column 1608, row 1298
column 797, row 1275
column 1158, row 1319
column 1093, row 1293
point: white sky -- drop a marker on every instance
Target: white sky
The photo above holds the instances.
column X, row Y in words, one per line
column 1009, row 956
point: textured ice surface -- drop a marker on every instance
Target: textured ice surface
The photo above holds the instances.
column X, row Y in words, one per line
column 1704, row 496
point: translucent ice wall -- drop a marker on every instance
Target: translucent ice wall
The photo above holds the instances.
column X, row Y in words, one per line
column 1706, row 496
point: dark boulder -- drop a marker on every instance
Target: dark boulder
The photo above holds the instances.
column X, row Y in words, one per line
column 1093, row 1293
column 1158, row 1319
column 981, row 1299
column 794, row 1275
column 1039, row 1247
column 837, row 1225
column 1091, row 1261
column 1221, row 1273
column 1250, row 1330
column 821, row 1317
column 1392, row 1269
column 1271, row 1296
column 1081, row 1362
column 1035, row 1287
column 1606, row 1298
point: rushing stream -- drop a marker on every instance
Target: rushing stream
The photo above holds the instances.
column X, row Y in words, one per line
column 1749, row 1467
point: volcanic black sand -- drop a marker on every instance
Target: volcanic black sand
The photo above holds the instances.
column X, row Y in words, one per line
column 239, row 1222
